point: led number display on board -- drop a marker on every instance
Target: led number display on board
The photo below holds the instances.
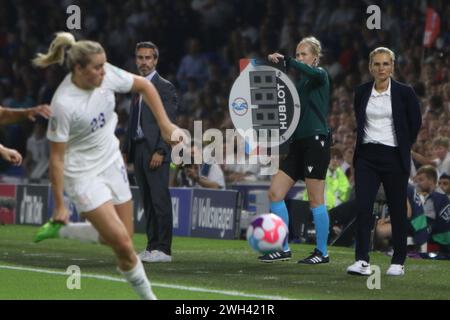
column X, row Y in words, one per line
column 264, row 98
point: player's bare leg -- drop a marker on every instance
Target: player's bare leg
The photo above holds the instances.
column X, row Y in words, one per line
column 125, row 213
column 114, row 233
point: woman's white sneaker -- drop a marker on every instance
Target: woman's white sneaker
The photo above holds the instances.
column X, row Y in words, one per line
column 396, row 270
column 360, row 267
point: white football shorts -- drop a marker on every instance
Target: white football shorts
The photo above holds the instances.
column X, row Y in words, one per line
column 110, row 185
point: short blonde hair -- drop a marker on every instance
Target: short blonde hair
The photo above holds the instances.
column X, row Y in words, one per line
column 381, row 50
column 65, row 49
column 315, row 45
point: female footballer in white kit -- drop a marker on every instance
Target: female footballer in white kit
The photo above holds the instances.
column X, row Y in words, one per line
column 85, row 159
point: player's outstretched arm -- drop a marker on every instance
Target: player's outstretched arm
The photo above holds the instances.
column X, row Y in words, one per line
column 56, row 170
column 153, row 100
column 312, row 72
column 10, row 155
column 9, row 116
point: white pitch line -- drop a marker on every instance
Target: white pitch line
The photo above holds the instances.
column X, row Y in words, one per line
column 154, row 284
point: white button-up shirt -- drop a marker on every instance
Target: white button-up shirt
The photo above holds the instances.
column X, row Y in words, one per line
column 379, row 126
column 139, row 128
column 149, row 77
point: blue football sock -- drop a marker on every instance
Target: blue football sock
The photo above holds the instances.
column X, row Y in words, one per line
column 279, row 208
column 321, row 222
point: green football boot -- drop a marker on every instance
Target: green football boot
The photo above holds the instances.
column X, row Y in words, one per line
column 50, row 230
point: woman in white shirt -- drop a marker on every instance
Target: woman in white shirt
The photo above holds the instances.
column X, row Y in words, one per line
column 388, row 122
column 85, row 159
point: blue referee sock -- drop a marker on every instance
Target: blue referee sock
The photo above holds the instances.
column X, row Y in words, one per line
column 279, row 208
column 322, row 222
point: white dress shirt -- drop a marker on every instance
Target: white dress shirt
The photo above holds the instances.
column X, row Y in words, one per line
column 149, row 77
column 379, row 126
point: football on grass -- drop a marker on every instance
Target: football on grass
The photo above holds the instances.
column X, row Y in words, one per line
column 267, row 233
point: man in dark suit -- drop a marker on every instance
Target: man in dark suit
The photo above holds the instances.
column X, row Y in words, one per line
column 388, row 121
column 150, row 155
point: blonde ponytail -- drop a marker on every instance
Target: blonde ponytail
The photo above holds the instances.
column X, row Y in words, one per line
column 78, row 52
column 56, row 51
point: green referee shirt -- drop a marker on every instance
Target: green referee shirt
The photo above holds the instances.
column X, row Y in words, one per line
column 313, row 86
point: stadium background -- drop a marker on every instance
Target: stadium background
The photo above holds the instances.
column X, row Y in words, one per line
column 219, row 33
column 216, row 34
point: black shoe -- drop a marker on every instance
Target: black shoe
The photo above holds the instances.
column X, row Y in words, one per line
column 275, row 256
column 316, row 257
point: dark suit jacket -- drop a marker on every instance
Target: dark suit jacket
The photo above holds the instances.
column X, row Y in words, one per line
column 405, row 112
column 149, row 125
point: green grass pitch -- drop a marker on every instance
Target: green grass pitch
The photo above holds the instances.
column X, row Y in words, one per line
column 203, row 269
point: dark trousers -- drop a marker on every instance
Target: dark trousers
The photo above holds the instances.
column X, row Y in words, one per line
column 156, row 200
column 377, row 164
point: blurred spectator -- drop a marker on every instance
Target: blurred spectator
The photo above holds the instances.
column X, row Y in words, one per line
column 441, row 155
column 342, row 16
column 197, row 175
column 337, row 186
column 436, row 106
column 190, row 98
column 426, row 180
column 192, row 66
column 215, row 14
column 37, row 152
column 383, row 228
column 241, row 170
column 347, row 161
column 122, row 125
column 436, row 205
column 19, row 99
column 227, row 32
column 53, row 76
column 444, row 184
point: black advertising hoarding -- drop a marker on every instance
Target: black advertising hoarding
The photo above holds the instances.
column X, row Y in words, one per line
column 138, row 211
column 181, row 210
column 32, row 204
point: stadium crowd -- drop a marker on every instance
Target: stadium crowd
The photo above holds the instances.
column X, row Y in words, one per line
column 201, row 42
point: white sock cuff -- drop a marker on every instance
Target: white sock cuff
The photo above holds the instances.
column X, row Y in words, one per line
column 139, row 281
column 133, row 270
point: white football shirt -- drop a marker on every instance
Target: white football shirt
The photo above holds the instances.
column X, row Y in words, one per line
column 85, row 120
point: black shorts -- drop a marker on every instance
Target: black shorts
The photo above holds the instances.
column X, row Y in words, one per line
column 307, row 158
